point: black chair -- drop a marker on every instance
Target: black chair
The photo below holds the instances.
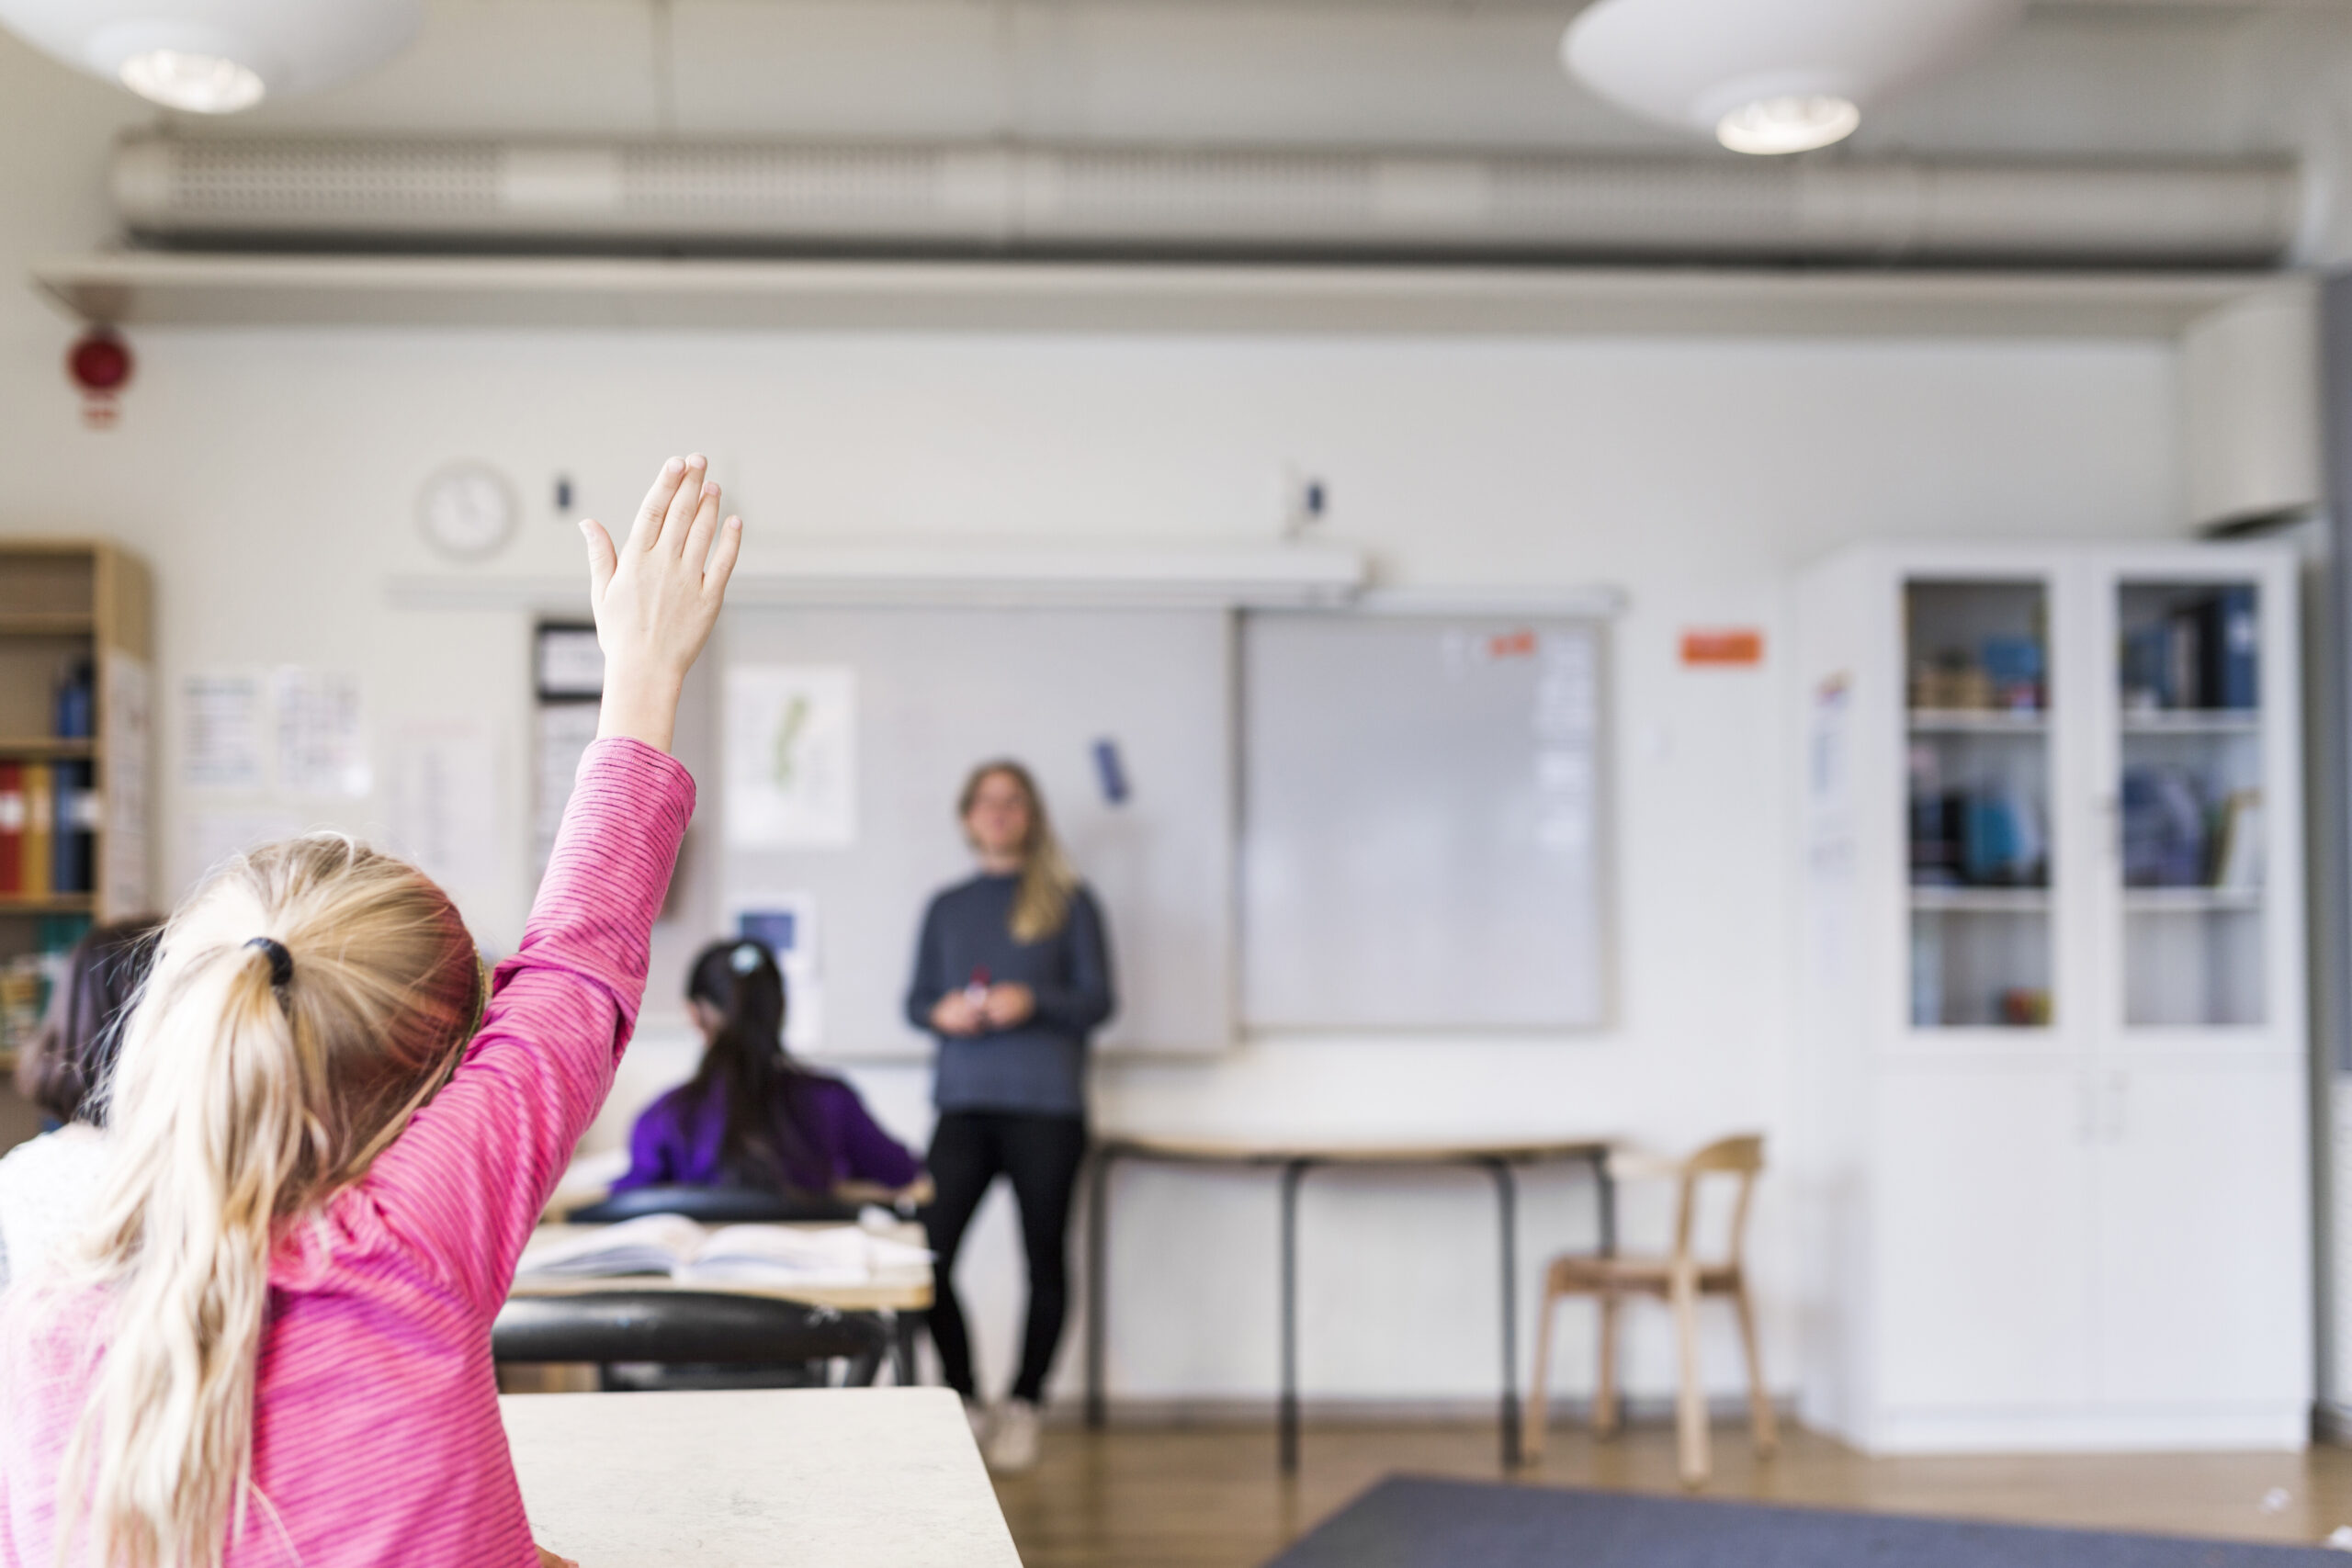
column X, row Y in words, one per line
column 690, row 1339
column 715, row 1206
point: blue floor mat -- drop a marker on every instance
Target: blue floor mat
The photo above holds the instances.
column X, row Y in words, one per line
column 1409, row 1522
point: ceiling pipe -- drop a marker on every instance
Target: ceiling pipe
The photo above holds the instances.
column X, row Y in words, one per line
column 982, row 199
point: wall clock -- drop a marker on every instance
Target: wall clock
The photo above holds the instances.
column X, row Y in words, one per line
column 467, row 510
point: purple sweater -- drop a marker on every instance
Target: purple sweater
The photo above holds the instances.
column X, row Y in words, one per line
column 676, row 1142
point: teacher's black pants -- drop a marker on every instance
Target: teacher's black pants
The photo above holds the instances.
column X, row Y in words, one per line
column 1040, row 1155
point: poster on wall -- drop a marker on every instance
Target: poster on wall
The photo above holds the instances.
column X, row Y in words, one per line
column 791, row 757
column 221, row 741
column 322, row 738
column 564, row 733
column 443, row 799
column 122, row 882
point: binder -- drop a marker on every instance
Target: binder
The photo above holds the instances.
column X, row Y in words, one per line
column 12, row 830
column 70, row 840
column 2238, row 651
column 40, row 827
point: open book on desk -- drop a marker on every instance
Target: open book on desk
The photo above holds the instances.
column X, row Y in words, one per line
column 739, row 1255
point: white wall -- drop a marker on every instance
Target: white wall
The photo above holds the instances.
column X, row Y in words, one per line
column 269, row 478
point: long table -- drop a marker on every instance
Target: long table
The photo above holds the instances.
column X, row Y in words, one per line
column 1294, row 1160
column 904, row 1292
column 762, row 1478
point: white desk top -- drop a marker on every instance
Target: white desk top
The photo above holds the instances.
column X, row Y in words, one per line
column 761, row 1478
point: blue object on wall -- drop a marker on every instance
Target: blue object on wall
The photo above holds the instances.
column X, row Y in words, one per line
column 1110, row 772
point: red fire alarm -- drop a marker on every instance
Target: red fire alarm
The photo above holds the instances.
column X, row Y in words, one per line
column 100, row 362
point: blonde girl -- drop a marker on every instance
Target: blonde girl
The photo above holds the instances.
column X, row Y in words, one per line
column 1012, row 977
column 331, row 1135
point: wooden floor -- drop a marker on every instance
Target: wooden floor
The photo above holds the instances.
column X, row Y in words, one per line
column 1209, row 1496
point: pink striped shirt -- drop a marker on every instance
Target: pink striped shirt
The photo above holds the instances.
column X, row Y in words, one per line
column 376, row 1430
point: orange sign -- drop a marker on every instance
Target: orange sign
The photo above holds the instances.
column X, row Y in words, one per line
column 1722, row 647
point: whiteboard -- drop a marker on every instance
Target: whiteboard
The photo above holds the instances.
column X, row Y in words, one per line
column 933, row 693
column 1421, row 835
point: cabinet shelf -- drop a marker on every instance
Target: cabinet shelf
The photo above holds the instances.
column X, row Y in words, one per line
column 37, row 746
column 49, row 904
column 1978, row 721
column 46, row 622
column 2194, row 721
column 1981, row 900
column 2189, row 901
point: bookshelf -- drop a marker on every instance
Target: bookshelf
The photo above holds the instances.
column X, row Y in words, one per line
column 76, row 678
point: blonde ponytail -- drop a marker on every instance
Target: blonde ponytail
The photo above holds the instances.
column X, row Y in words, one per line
column 256, row 1077
column 1041, row 901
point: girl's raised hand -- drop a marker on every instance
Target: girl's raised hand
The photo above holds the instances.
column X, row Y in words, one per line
column 656, row 597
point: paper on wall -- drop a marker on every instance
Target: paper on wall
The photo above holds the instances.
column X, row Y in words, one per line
column 443, row 799
column 214, row 835
column 786, row 924
column 222, row 731
column 122, row 879
column 1567, row 714
column 321, row 737
column 791, row 757
column 565, row 731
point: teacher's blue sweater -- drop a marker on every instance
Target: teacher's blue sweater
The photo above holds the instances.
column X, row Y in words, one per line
column 1038, row 1065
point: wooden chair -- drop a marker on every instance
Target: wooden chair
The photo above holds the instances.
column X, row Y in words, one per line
column 1679, row 1279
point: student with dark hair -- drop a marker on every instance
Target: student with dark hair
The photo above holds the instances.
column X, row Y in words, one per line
column 45, row 1184
column 752, row 1116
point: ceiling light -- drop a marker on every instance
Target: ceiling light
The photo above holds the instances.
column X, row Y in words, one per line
column 201, row 84
column 1771, row 76
column 217, row 56
column 1788, row 124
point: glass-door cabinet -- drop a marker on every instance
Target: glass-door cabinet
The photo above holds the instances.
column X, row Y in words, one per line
column 2051, row 1009
column 2093, row 793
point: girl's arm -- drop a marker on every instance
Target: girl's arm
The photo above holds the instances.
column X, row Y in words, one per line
column 652, row 1144
column 873, row 1156
column 1083, row 1000
column 931, row 981
column 468, row 1178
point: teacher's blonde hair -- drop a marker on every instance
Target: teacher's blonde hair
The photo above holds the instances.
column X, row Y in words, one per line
column 248, row 1089
column 1041, row 904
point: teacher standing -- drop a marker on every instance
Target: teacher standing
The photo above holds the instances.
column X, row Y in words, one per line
column 1011, row 976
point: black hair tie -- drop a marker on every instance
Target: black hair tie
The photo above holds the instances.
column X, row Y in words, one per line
column 281, row 963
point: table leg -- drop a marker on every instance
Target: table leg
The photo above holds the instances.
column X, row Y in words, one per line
column 1604, row 1188
column 1098, row 1275
column 902, row 1347
column 1289, row 1416
column 1506, row 1205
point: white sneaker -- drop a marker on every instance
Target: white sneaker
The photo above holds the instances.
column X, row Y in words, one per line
column 977, row 1415
column 1012, row 1442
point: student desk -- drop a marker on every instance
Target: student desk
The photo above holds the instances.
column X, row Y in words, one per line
column 790, row 1478
column 905, row 1291
column 1294, row 1160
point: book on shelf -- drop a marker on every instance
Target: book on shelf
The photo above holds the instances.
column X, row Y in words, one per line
column 12, row 829
column 38, row 861
column 2166, row 838
column 833, row 1255
column 2238, row 848
column 77, row 705
column 2201, row 656
column 71, row 831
